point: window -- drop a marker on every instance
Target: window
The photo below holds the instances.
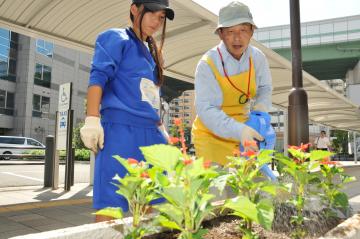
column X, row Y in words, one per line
column 6, row 102
column 45, row 48
column 8, row 46
column 41, row 106
column 33, row 142
column 42, row 75
column 12, row 140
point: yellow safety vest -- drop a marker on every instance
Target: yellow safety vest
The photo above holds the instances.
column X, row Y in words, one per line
column 207, row 144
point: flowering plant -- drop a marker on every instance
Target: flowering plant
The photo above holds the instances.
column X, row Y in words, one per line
column 243, row 178
column 140, row 190
column 302, row 168
column 186, row 187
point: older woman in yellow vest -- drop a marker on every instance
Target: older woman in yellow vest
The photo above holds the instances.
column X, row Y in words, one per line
column 228, row 80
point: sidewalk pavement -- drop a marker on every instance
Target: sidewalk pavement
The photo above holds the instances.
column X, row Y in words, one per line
column 33, row 209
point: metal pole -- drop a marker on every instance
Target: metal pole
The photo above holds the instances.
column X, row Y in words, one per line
column 298, row 112
column 69, row 161
column 355, row 148
column 49, row 161
column 286, row 133
column 55, row 180
column 92, row 165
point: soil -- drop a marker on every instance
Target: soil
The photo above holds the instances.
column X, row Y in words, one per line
column 227, row 227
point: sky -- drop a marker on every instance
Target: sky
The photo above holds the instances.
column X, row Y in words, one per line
column 276, row 12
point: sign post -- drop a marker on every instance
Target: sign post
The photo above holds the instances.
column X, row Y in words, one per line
column 64, row 128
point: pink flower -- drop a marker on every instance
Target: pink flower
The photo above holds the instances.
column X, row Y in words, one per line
column 248, row 153
column 173, row 140
column 132, row 161
column 207, row 163
column 177, row 121
column 144, row 175
column 188, row 161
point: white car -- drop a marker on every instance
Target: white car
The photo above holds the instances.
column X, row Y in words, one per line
column 17, row 145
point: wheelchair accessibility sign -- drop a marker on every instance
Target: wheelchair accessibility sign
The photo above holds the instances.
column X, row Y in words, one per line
column 62, row 116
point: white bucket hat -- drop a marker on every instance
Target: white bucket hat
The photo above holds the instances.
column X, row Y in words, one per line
column 233, row 14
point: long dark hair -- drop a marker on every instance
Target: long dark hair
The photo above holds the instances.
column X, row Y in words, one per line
column 155, row 51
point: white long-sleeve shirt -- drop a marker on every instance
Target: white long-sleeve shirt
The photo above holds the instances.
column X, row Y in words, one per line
column 209, row 96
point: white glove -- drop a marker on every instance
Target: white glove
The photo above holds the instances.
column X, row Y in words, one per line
column 248, row 134
column 164, row 132
column 260, row 107
column 92, row 133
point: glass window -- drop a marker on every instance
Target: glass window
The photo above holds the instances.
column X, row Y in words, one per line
column 36, row 102
column 2, row 98
column 354, row 25
column 10, row 100
column 285, row 33
column 45, row 48
column 12, row 66
column 4, row 33
column 275, row 34
column 17, row 141
column 41, row 106
column 312, row 30
column 45, row 104
column 42, row 75
column 33, row 142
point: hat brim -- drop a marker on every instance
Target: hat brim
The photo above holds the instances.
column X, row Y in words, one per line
column 234, row 23
column 157, row 7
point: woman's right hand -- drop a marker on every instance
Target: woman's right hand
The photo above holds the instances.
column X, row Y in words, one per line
column 92, row 133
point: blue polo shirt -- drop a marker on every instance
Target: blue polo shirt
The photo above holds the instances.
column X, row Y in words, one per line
column 125, row 70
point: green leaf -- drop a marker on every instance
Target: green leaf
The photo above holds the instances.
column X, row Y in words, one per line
column 341, row 199
column 175, row 195
column 318, row 155
column 170, row 212
column 265, row 213
column 200, row 233
column 347, row 179
column 220, row 182
column 167, row 223
column 243, row 207
column 115, row 212
column 162, row 156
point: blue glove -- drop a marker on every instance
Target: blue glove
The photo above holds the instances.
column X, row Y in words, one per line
column 261, row 122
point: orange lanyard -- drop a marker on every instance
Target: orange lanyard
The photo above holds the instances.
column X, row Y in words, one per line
column 227, row 77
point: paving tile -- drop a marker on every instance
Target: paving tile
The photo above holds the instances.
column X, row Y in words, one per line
column 26, row 217
column 76, row 219
column 5, row 235
column 39, row 222
column 12, row 227
column 51, row 227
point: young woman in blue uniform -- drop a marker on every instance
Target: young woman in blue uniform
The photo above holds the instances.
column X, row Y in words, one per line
column 125, row 80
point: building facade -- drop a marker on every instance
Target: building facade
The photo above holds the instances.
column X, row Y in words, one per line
column 31, row 71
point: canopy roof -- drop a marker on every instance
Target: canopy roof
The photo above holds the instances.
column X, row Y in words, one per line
column 75, row 24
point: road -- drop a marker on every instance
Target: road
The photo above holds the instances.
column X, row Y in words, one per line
column 32, row 175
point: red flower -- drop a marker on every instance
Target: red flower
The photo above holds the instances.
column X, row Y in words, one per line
column 302, row 147
column 250, row 143
column 188, row 161
column 132, row 161
column 327, row 161
column 173, row 140
column 177, row 121
column 207, row 163
column 248, row 153
column 144, row 175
